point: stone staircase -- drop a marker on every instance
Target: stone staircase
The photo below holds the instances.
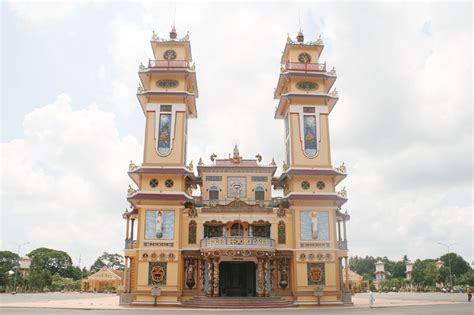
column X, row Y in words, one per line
column 237, row 302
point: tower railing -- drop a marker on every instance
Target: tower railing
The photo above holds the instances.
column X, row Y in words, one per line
column 308, row 67
column 168, row 64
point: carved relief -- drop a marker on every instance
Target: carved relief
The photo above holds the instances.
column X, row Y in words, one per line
column 192, row 232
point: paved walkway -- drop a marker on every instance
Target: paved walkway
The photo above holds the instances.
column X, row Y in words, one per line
column 112, row 303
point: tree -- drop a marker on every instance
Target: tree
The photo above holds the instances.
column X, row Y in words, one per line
column 425, row 273
column 363, row 266
column 55, row 261
column 8, row 261
column 111, row 261
column 458, row 265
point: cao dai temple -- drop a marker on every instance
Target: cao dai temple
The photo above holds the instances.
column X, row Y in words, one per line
column 235, row 239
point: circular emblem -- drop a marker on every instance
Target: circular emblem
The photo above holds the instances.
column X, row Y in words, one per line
column 320, row 185
column 154, row 182
column 157, row 274
column 303, row 257
column 307, row 85
column 171, row 256
column 311, row 256
column 170, row 54
column 304, row 58
column 162, row 256
column 145, row 256
column 305, row 185
column 169, row 183
column 153, row 256
column 316, row 274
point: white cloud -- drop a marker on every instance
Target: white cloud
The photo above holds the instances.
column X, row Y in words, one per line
column 39, row 11
column 64, row 184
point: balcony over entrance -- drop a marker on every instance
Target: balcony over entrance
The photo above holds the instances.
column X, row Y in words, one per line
column 238, row 243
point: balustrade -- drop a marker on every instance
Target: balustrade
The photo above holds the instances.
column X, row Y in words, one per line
column 236, row 241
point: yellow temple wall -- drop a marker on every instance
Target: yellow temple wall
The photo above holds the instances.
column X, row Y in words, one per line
column 295, row 51
column 180, row 52
column 249, row 183
column 319, row 81
column 155, row 78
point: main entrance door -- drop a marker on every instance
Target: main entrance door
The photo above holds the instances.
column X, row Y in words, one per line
column 237, row 278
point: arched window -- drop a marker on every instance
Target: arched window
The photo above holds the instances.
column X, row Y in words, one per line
column 281, row 232
column 213, row 193
column 236, row 230
column 259, row 193
column 192, row 232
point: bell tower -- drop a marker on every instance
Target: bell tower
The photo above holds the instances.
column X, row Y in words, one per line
column 305, row 100
column 167, row 95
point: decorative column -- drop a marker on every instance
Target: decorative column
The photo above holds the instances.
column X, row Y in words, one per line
column 341, row 277
column 259, row 277
column 216, row 276
column 133, row 226
column 274, row 274
column 210, row 277
column 339, row 238
column 201, row 275
column 347, row 274
column 125, row 275
column 344, row 223
column 266, row 273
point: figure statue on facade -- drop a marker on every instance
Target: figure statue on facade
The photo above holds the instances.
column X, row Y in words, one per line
column 159, row 224
column 283, row 273
column 314, row 225
column 190, row 282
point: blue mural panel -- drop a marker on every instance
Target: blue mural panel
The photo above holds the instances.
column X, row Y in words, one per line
column 164, row 134
column 168, row 225
column 310, row 136
column 323, row 226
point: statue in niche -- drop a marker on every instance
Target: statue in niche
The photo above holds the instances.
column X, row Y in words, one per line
column 159, row 224
column 283, row 273
column 190, row 282
column 314, row 225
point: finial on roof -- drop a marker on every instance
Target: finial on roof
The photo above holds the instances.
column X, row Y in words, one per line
column 300, row 37
column 200, row 163
column 259, row 157
column 288, row 39
column 319, row 41
column 186, row 37
column 236, row 157
column 273, row 162
column 173, row 33
column 154, row 36
column 213, row 157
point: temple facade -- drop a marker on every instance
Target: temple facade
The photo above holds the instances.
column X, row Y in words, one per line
column 235, row 238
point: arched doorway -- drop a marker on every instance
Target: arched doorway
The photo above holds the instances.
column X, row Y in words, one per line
column 236, row 230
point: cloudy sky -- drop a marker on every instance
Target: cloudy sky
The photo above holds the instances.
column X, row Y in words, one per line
column 70, row 120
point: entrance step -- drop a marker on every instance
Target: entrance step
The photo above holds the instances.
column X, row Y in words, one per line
column 237, row 302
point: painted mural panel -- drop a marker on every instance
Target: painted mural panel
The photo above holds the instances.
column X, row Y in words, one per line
column 310, row 137
column 314, row 225
column 159, row 225
column 157, row 273
column 236, row 187
column 164, row 134
column 316, row 274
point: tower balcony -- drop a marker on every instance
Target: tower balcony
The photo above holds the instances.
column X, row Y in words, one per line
column 306, row 67
column 238, row 243
column 170, row 64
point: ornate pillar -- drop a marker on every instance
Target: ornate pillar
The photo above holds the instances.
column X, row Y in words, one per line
column 216, row 276
column 274, row 274
column 210, row 277
column 266, row 265
column 201, row 275
column 259, row 277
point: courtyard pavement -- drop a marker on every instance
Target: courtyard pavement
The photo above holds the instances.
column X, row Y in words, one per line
column 91, row 301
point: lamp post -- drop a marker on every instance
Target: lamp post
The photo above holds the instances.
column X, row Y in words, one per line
column 449, row 261
column 18, row 267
